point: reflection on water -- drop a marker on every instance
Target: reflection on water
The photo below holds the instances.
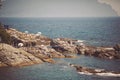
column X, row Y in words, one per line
column 60, row 70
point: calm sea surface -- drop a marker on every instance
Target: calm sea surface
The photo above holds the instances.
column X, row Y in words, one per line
column 60, row 70
column 94, row 31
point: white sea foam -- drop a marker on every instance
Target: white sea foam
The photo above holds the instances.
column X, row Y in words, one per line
column 108, row 74
column 86, row 73
column 101, row 74
column 99, row 70
column 65, row 66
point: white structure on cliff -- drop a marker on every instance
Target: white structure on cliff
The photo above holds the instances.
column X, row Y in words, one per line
column 26, row 32
column 38, row 33
column 20, row 44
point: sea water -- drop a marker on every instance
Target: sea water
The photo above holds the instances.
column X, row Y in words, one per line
column 61, row 70
column 94, row 31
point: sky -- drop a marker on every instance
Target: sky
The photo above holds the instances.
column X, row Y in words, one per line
column 60, row 8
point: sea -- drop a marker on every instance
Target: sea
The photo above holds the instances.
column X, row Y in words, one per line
column 93, row 31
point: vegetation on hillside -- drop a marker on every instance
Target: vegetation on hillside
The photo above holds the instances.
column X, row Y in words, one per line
column 4, row 36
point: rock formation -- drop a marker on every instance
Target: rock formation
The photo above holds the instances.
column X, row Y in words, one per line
column 27, row 39
column 10, row 56
column 34, row 48
column 64, row 45
column 117, row 47
column 91, row 71
column 70, row 46
column 43, row 52
column 40, row 45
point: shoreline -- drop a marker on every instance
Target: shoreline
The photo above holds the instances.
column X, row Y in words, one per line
column 44, row 48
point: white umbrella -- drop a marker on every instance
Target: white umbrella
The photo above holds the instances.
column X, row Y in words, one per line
column 26, row 32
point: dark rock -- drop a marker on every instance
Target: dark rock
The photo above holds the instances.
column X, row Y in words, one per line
column 64, row 45
column 117, row 55
column 117, row 47
column 91, row 71
column 106, row 53
column 81, row 49
column 70, row 56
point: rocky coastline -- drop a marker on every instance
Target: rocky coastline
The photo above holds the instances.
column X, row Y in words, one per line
column 27, row 49
column 92, row 71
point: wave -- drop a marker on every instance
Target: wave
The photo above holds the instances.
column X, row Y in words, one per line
column 107, row 74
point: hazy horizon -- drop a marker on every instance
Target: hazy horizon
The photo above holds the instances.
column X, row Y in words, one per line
column 59, row 8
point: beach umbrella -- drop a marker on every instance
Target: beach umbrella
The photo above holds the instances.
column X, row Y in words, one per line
column 38, row 33
column 26, row 32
